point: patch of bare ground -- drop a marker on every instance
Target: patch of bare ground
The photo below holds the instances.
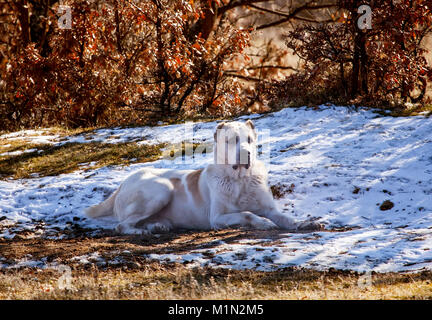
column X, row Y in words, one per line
column 77, row 242
column 107, row 243
column 135, row 277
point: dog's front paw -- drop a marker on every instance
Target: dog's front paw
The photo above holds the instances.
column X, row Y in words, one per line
column 145, row 234
column 310, row 226
column 158, row 228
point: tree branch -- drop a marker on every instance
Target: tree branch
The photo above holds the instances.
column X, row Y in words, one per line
column 265, row 67
column 243, row 77
column 237, row 3
column 293, row 15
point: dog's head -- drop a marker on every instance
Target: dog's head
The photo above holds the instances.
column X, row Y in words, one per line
column 235, row 144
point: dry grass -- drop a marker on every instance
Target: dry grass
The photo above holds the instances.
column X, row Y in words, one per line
column 49, row 160
column 408, row 112
column 186, row 148
column 136, row 277
column 154, row 281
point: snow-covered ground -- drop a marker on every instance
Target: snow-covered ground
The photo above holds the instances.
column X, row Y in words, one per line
column 344, row 164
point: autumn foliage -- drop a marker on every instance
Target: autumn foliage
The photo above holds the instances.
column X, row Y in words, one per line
column 382, row 66
column 141, row 61
column 122, row 61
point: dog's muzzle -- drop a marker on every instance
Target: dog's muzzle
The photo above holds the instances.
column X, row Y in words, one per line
column 246, row 165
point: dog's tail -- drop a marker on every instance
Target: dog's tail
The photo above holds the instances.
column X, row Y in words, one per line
column 105, row 208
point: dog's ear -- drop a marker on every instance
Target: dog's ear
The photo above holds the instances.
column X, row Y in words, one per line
column 220, row 126
column 250, row 124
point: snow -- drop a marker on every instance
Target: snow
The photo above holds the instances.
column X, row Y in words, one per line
column 343, row 162
column 88, row 258
column 17, row 153
column 32, row 136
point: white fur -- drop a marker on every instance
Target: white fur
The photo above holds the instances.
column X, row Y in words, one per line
column 231, row 192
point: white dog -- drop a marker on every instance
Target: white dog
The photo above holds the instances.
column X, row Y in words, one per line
column 231, row 192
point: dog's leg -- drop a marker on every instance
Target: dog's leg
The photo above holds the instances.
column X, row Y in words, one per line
column 155, row 225
column 140, row 200
column 268, row 209
column 242, row 219
column 288, row 223
column 158, row 227
column 220, row 220
column 128, row 226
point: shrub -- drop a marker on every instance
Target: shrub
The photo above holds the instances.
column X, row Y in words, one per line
column 122, row 61
column 382, row 66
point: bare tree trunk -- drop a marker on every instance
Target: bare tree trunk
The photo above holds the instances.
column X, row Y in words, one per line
column 360, row 59
column 205, row 25
column 24, row 19
column 164, row 77
column 363, row 63
column 356, row 66
column 117, row 25
column 342, row 75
